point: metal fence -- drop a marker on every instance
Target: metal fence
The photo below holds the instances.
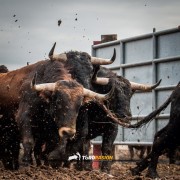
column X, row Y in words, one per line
column 145, row 59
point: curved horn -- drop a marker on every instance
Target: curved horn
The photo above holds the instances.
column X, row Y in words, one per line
column 42, row 87
column 101, row 61
column 101, row 81
column 53, row 56
column 143, row 87
column 95, row 95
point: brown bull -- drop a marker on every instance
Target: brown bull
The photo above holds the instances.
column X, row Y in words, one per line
column 58, row 96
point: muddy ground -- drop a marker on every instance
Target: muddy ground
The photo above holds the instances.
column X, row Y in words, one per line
column 119, row 171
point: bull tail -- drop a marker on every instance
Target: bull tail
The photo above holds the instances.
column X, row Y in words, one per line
column 152, row 115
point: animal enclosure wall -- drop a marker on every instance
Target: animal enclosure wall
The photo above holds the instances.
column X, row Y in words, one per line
column 145, row 59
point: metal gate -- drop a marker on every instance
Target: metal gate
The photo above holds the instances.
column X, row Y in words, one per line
column 145, row 59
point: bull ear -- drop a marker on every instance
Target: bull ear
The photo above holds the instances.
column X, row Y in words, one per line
column 102, row 61
column 52, row 56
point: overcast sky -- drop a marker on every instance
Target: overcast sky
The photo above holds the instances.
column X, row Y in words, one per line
column 28, row 28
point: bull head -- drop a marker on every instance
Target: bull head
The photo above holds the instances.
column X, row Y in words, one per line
column 94, row 60
column 86, row 92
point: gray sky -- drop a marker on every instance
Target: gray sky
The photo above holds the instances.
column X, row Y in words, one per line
column 29, row 35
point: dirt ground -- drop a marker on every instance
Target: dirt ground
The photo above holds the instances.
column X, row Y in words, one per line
column 119, row 171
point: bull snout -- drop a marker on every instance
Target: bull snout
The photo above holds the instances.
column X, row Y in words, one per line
column 66, row 131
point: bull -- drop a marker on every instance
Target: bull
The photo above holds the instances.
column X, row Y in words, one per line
column 96, row 120
column 165, row 139
column 3, row 69
column 54, row 94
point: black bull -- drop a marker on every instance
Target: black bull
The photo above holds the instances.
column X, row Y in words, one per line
column 94, row 120
column 57, row 94
column 165, row 139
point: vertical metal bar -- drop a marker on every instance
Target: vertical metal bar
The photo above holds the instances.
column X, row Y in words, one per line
column 121, row 58
column 122, row 70
column 154, row 71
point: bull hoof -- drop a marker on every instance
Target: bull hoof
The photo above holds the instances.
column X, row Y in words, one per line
column 104, row 170
column 67, row 164
column 26, row 162
column 8, row 165
column 78, row 167
column 16, row 165
column 135, row 171
column 46, row 163
column 55, row 164
column 152, row 174
column 88, row 168
column 38, row 163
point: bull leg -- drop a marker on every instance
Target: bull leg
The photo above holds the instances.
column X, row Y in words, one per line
column 131, row 151
column 152, row 173
column 87, row 163
column 16, row 163
column 79, row 163
column 83, row 162
column 106, row 151
column 148, row 150
column 160, row 143
column 8, row 163
column 67, row 164
column 107, row 147
column 16, row 156
column 37, row 152
column 142, row 151
column 172, row 159
column 143, row 164
column 27, row 139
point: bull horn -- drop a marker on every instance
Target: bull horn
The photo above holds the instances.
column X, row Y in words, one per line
column 53, row 56
column 143, row 87
column 98, row 96
column 101, row 61
column 101, row 81
column 42, row 87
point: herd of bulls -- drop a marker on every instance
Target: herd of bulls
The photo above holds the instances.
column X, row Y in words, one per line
column 56, row 106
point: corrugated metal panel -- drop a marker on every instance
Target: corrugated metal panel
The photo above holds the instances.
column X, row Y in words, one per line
column 138, row 50
column 146, row 59
column 168, row 45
